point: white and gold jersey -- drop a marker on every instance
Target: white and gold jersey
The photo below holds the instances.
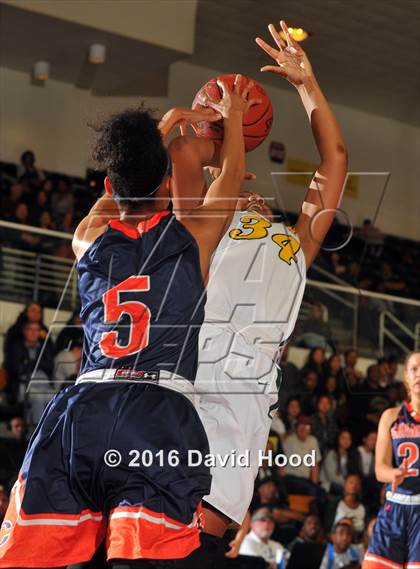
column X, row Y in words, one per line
column 256, row 284
column 257, row 279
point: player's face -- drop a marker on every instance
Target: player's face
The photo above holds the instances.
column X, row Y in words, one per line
column 254, row 201
column 412, row 374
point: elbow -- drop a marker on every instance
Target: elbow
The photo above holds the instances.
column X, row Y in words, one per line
column 342, row 155
column 180, row 146
column 380, row 475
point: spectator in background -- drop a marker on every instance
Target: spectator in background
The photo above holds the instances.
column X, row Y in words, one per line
column 350, row 506
column 370, row 486
column 48, row 188
column 67, row 365
column 257, row 542
column 45, row 222
column 333, row 365
column 324, row 426
column 272, row 494
column 291, row 383
column 302, row 479
column 290, row 418
column 278, row 427
column 311, row 532
column 39, row 207
column 384, row 379
column 12, row 451
column 27, row 172
column 315, row 362
column 67, row 224
column 21, row 214
column 31, row 361
column 352, row 273
column 335, row 392
column 32, row 313
column 10, row 202
column 336, row 266
column 62, row 202
column 22, row 240
column 317, row 333
column 390, row 282
column 396, row 394
column 373, row 237
column 340, row 554
column 392, row 369
column 367, row 454
column 350, row 363
column 308, row 394
column 366, row 403
column 339, row 463
column 72, row 332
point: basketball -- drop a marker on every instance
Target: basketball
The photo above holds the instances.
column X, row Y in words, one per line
column 256, row 123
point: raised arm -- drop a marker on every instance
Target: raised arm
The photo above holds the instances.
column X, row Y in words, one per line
column 95, row 222
column 325, row 191
column 208, row 222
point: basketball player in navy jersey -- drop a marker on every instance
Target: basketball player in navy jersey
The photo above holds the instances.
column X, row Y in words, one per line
column 99, row 463
column 395, row 541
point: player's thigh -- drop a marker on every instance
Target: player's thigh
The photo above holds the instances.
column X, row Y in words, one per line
column 413, row 537
column 388, row 541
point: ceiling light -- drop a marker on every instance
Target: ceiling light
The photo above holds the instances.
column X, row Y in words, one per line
column 41, row 70
column 298, row 34
column 97, row 53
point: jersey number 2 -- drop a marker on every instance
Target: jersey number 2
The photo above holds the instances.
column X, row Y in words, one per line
column 136, row 310
column 410, row 451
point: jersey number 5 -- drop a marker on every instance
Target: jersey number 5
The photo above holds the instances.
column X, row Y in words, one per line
column 136, row 310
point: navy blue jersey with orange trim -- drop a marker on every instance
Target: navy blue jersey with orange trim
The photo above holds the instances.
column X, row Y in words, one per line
column 405, row 434
column 142, row 298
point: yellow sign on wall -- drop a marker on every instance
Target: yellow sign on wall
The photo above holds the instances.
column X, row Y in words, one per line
column 300, row 173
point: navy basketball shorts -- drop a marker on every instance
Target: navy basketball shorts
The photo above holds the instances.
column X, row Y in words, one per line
column 108, row 460
column 395, row 542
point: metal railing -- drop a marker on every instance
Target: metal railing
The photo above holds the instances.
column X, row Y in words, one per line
column 32, row 275
column 357, row 317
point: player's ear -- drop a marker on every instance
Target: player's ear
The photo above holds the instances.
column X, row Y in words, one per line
column 108, row 187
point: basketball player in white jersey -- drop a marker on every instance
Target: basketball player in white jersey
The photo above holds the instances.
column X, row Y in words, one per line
column 255, row 289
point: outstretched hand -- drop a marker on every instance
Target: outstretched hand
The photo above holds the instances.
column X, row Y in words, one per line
column 181, row 118
column 292, row 62
column 400, row 474
column 236, row 99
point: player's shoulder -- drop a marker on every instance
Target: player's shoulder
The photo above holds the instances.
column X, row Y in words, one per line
column 390, row 415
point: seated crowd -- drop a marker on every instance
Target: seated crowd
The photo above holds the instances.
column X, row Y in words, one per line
column 370, row 260
column 328, row 409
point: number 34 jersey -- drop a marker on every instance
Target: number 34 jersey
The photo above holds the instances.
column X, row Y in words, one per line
column 257, row 280
column 405, row 434
column 142, row 298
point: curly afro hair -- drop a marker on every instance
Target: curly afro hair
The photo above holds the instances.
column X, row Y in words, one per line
column 129, row 146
